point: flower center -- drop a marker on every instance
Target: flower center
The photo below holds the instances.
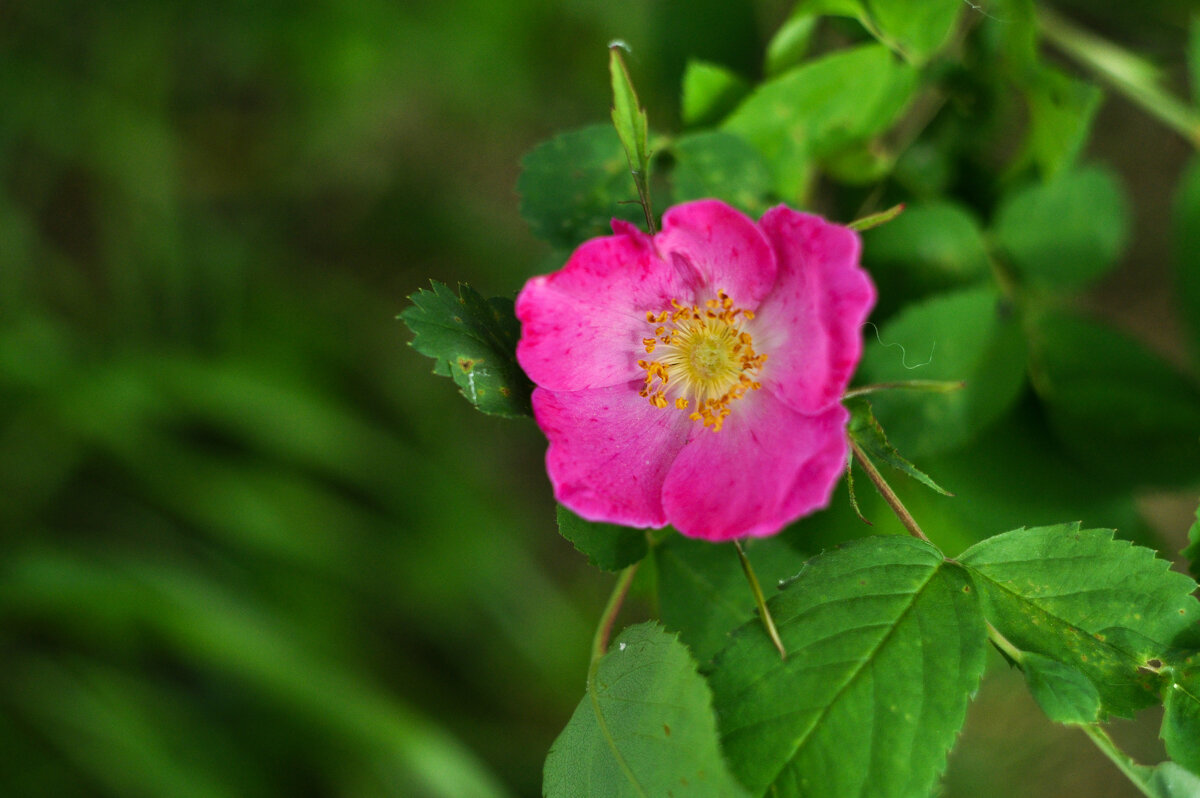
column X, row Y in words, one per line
column 706, row 360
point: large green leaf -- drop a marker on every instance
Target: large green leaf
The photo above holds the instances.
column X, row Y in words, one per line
column 1066, row 232
column 819, row 107
column 575, row 184
column 703, row 593
column 885, row 644
column 645, row 727
column 930, row 247
column 608, row 546
column 719, row 164
column 473, row 341
column 969, row 335
column 1186, row 250
column 1124, row 411
column 1063, row 592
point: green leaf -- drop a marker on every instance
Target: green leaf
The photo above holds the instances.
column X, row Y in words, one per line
column 1186, row 250
column 1181, row 719
column 1057, row 591
column 864, row 430
column 1169, row 780
column 916, row 29
column 719, row 164
column 710, row 91
column 969, row 335
column 1063, row 693
column 1192, row 552
column 885, row 644
column 644, row 729
column 608, row 546
column 1067, row 232
column 702, row 592
column 1124, row 411
column 573, row 185
column 930, row 247
column 790, row 43
column 1061, row 110
column 474, row 342
column 819, row 107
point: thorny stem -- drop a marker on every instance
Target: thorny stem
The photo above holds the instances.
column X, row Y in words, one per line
column 756, row 589
column 609, row 616
column 1125, row 72
column 889, row 495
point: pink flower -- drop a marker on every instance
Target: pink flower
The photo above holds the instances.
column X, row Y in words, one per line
column 694, row 377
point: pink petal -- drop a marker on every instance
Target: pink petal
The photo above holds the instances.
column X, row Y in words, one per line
column 722, row 249
column 767, row 466
column 582, row 326
column 811, row 324
column 610, row 451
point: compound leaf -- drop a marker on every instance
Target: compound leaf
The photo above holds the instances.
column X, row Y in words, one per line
column 885, row 644
column 473, row 341
column 1063, row 592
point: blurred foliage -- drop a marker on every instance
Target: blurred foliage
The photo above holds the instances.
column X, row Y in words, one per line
column 249, row 546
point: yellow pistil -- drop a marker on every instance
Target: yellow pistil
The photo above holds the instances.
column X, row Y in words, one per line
column 706, row 359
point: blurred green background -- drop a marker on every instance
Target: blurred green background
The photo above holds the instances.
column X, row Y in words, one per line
column 250, row 546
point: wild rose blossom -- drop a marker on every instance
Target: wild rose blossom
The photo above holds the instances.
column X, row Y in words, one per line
column 694, row 377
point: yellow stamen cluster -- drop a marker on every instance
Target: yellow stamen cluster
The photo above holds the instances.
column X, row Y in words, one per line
column 706, row 356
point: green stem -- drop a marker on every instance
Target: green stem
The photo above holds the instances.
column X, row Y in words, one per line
column 1130, row 769
column 1127, row 73
column 933, row 386
column 609, row 617
column 760, row 600
column 1004, row 644
column 889, row 495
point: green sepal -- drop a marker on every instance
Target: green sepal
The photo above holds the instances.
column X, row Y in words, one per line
column 630, row 121
column 609, row 547
column 473, row 341
column 645, row 727
column 1063, row 693
column 864, row 429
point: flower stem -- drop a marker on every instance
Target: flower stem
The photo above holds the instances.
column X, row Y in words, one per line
column 889, row 495
column 763, row 612
column 609, row 616
column 1128, row 74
